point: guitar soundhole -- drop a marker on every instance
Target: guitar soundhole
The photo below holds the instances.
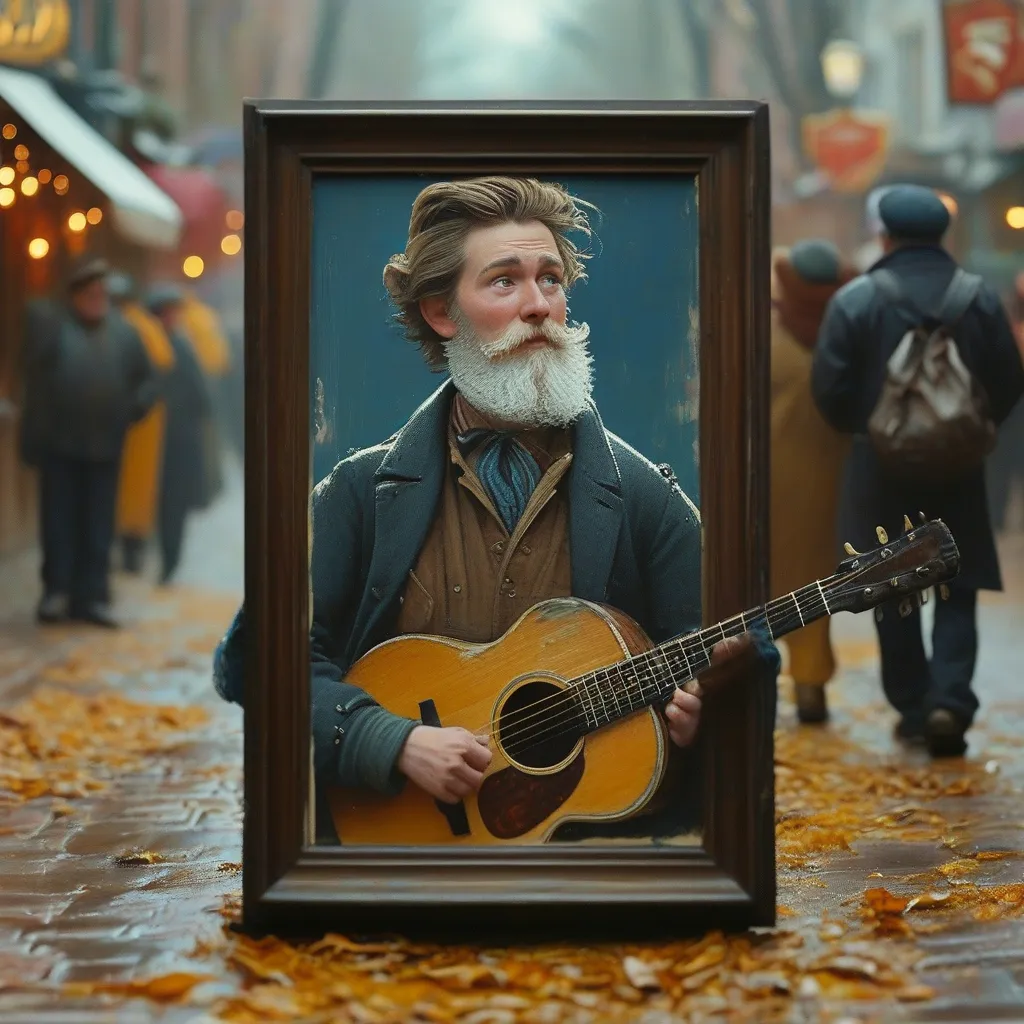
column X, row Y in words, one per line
column 538, row 725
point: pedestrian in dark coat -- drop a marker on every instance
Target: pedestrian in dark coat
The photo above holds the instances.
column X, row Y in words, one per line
column 87, row 379
column 187, row 398
column 861, row 330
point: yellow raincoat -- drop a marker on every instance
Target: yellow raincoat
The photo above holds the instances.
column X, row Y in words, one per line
column 142, row 458
column 201, row 326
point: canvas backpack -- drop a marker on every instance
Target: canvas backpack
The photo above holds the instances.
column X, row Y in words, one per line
column 931, row 423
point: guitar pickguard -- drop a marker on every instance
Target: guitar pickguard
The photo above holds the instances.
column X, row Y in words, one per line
column 512, row 802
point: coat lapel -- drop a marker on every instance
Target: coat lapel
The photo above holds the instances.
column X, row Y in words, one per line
column 407, row 486
column 595, row 508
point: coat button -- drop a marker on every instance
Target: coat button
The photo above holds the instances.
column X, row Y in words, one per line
column 376, row 592
column 338, row 707
column 525, row 549
column 457, row 588
column 511, row 593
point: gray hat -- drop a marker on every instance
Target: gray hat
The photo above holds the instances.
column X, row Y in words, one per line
column 120, row 286
column 85, row 270
column 816, row 260
column 913, row 213
column 162, row 295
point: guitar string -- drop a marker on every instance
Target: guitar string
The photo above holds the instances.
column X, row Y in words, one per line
column 572, row 695
column 554, row 726
column 690, row 644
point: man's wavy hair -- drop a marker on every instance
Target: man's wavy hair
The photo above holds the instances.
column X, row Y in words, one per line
column 442, row 217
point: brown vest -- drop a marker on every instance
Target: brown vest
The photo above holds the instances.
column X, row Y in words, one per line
column 472, row 580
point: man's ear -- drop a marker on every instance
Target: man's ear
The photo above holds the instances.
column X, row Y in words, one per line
column 435, row 311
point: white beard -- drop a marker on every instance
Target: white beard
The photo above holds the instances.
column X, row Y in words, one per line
column 543, row 387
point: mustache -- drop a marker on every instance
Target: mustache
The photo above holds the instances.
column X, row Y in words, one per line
column 556, row 335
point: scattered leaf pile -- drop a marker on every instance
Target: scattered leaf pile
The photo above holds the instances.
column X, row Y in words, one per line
column 830, row 793
column 65, row 744
column 753, row 978
column 887, row 912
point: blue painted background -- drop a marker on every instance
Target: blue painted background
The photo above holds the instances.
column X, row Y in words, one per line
column 640, row 301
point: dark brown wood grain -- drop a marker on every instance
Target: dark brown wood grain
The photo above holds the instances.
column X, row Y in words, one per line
column 289, row 885
column 512, row 802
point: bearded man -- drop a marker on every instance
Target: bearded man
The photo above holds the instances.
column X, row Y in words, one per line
column 502, row 490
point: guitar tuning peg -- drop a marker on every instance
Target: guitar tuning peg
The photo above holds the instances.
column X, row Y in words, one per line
column 921, row 518
column 906, row 607
column 883, row 537
column 943, row 591
column 850, row 549
column 907, row 524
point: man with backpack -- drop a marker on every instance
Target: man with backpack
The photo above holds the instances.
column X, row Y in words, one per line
column 917, row 360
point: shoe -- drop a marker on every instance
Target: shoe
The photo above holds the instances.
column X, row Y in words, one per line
column 97, row 615
column 811, row 706
column 944, row 734
column 909, row 731
column 52, row 608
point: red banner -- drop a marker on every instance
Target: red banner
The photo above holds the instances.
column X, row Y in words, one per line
column 984, row 49
column 848, row 146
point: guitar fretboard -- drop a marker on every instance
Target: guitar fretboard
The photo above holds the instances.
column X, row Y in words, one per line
column 607, row 695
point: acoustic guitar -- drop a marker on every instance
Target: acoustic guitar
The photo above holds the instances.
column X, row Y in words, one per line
column 570, row 697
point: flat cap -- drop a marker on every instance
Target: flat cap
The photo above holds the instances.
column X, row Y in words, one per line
column 120, row 285
column 913, row 212
column 162, row 295
column 85, row 270
column 816, row 260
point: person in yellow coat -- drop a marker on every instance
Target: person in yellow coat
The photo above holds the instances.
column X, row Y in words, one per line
column 142, row 459
column 807, row 457
column 201, row 325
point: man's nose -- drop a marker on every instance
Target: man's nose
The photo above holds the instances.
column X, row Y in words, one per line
column 535, row 307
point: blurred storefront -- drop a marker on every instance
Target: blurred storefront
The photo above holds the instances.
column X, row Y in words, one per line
column 64, row 189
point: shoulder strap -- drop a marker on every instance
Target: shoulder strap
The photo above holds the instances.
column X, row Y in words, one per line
column 962, row 291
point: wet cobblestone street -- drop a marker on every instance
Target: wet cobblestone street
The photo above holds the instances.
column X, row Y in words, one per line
column 120, row 840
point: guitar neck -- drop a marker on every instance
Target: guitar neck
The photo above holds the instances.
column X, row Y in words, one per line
column 609, row 694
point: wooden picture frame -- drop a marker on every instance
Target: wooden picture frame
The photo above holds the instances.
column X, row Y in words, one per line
column 289, row 886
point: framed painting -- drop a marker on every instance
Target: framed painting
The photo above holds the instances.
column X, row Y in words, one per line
column 506, row 487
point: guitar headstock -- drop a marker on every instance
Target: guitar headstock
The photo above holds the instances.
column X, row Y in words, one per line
column 924, row 556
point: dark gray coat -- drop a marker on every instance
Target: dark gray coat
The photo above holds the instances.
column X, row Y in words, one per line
column 635, row 542
column 860, row 332
column 83, row 385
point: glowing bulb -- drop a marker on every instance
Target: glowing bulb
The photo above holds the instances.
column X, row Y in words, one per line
column 193, row 266
column 38, row 248
column 231, row 245
column 9, row 131
column 21, row 167
column 45, row 176
column 21, row 152
column 95, row 215
column 235, row 219
column 6, row 175
column 1015, row 217
column 29, row 186
column 61, row 184
column 76, row 222
column 7, row 197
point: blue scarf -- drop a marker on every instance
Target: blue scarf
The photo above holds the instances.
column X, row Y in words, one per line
column 508, row 472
